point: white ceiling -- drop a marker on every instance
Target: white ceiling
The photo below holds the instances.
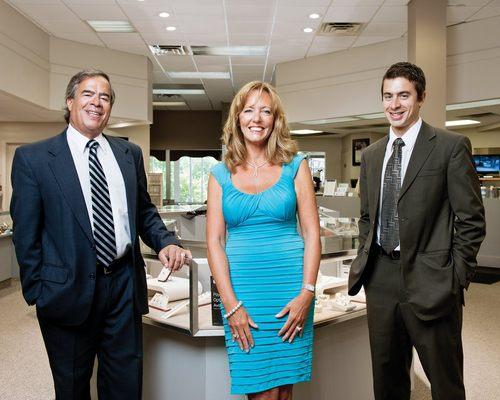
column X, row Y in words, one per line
column 277, row 24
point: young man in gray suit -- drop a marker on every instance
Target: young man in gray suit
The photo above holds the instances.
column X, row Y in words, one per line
column 79, row 207
column 421, row 226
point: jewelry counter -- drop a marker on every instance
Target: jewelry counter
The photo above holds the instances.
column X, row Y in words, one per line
column 185, row 356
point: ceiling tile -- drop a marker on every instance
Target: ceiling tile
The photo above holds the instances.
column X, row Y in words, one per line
column 199, row 25
column 131, row 38
column 366, row 40
column 176, row 63
column 248, row 69
column 134, row 49
column 242, row 60
column 214, row 68
column 454, row 15
column 211, row 60
column 358, row 3
column 486, row 12
column 58, row 27
column 308, row 3
column 286, row 13
column 199, row 39
column 208, row 8
column 245, row 13
column 294, row 28
column 148, row 12
column 468, row 3
column 42, row 12
column 256, row 27
column 163, row 37
column 98, row 12
column 258, row 39
column 391, row 14
column 349, row 14
column 334, row 42
column 387, row 29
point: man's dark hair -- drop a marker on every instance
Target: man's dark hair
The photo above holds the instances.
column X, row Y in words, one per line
column 79, row 78
column 409, row 71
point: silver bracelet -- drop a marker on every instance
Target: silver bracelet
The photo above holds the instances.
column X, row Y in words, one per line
column 309, row 287
column 233, row 310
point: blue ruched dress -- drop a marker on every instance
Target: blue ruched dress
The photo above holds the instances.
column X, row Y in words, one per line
column 265, row 255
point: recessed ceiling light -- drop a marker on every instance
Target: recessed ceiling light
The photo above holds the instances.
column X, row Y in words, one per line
column 199, row 75
column 170, row 28
column 111, row 26
column 164, row 14
column 304, row 131
column 178, row 91
column 371, row 116
column 308, row 30
column 462, row 122
column 169, row 103
column 473, row 104
column 314, row 16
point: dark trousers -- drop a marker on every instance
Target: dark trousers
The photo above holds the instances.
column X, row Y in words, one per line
column 112, row 332
column 394, row 330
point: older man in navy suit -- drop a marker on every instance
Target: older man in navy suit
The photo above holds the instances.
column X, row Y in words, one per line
column 79, row 206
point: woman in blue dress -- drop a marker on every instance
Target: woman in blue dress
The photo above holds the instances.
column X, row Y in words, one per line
column 264, row 269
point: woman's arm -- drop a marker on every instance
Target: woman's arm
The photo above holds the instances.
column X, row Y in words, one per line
column 298, row 308
column 239, row 322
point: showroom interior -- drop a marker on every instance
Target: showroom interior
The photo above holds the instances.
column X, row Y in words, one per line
column 175, row 66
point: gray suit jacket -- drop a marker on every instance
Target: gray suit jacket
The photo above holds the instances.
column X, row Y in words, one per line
column 441, row 219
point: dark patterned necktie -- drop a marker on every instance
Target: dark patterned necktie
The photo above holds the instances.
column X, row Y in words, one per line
column 104, row 227
column 389, row 221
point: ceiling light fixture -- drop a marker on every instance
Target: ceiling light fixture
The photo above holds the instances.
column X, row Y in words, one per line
column 229, row 50
column 199, row 75
column 462, row 122
column 371, row 116
column 314, row 16
column 170, row 28
column 304, row 131
column 331, row 120
column 111, row 26
column 164, row 15
column 177, row 91
column 169, row 103
column 308, row 30
column 473, row 104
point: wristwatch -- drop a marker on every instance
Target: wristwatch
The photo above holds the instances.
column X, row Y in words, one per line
column 309, row 287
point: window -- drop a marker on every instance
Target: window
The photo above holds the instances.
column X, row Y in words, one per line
column 316, row 161
column 189, row 179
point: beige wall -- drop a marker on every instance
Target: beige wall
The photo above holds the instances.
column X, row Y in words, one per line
column 186, row 130
column 332, row 148
column 36, row 68
column 350, row 171
column 482, row 139
column 14, row 133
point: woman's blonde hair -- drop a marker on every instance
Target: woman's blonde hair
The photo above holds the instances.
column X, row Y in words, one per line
column 280, row 146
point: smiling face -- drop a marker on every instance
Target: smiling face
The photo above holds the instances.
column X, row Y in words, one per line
column 401, row 104
column 91, row 106
column 257, row 119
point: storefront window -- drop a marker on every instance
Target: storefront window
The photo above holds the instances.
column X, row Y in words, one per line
column 189, row 179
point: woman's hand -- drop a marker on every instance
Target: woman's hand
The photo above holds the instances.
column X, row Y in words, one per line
column 240, row 323
column 297, row 311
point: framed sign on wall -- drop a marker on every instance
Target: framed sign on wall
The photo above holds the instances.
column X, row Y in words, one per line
column 358, row 145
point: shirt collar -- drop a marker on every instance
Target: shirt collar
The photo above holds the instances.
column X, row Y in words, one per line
column 80, row 141
column 409, row 137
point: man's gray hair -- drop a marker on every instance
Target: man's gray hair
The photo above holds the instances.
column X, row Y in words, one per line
column 79, row 78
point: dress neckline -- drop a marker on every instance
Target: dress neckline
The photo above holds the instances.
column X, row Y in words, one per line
column 262, row 191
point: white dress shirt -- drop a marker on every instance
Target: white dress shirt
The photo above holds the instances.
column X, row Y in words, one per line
column 409, row 138
column 116, row 185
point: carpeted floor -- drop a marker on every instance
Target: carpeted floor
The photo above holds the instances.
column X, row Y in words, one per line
column 25, row 374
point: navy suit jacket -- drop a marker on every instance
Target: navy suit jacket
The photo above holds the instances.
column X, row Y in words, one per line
column 52, row 231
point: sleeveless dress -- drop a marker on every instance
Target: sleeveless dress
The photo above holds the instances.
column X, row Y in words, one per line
column 265, row 255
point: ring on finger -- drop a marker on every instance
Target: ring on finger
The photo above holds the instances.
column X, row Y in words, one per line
column 298, row 328
column 236, row 336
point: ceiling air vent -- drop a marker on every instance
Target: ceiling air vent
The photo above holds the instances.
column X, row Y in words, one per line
column 339, row 29
column 169, row 50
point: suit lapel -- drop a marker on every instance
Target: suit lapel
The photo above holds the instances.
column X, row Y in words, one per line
column 64, row 170
column 126, row 163
column 423, row 148
column 376, row 175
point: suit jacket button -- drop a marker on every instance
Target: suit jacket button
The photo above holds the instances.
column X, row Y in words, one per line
column 92, row 275
column 365, row 250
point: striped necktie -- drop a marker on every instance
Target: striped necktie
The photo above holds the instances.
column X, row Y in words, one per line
column 104, row 227
column 389, row 229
